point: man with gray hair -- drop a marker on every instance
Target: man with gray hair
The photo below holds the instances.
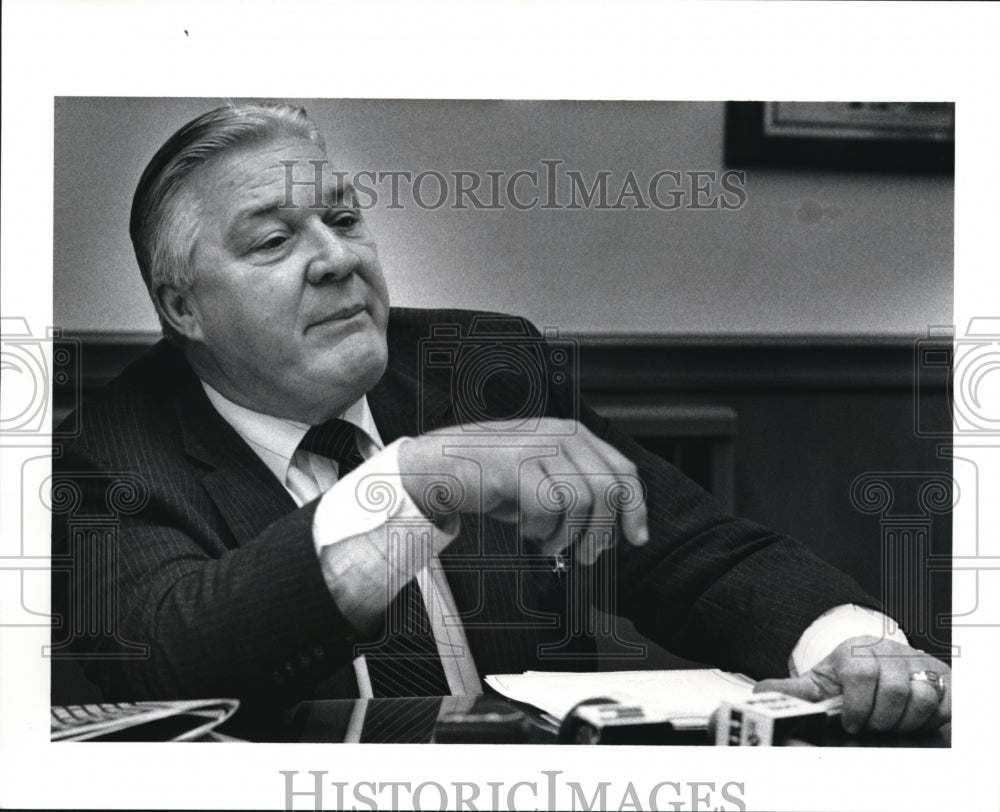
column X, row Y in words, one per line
column 328, row 512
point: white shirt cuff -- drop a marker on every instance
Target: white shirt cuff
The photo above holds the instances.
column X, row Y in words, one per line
column 365, row 500
column 832, row 628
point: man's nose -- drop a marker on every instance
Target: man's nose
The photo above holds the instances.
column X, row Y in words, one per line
column 331, row 257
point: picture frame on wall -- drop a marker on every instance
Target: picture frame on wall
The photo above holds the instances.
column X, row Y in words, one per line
column 908, row 137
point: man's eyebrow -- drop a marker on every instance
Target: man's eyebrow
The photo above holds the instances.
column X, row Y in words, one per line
column 333, row 195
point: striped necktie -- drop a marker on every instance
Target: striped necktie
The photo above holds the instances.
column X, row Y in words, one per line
column 336, row 440
column 406, row 661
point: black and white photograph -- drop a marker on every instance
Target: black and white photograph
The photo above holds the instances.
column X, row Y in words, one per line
column 382, row 443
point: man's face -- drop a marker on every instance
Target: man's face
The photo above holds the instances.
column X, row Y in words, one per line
column 289, row 302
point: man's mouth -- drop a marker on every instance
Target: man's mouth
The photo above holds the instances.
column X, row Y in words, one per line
column 344, row 314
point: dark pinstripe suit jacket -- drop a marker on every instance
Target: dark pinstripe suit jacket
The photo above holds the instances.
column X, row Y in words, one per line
column 213, row 568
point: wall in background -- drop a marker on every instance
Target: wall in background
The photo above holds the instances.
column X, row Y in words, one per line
column 808, row 253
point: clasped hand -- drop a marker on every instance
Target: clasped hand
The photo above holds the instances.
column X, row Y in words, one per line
column 561, row 483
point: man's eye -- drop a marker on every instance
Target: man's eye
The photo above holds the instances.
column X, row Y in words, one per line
column 272, row 243
column 343, row 219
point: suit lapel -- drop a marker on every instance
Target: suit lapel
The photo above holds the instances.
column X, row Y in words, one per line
column 404, row 406
column 244, row 490
column 247, row 494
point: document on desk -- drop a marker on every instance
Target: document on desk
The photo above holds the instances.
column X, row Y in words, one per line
column 688, row 697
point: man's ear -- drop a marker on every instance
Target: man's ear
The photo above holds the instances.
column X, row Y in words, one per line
column 180, row 311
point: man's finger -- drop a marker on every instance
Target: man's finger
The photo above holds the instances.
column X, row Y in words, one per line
column 626, row 492
column 859, row 678
column 892, row 695
column 539, row 519
column 801, row 687
column 858, row 695
column 922, row 705
column 581, row 524
column 587, row 479
column 942, row 712
column 633, row 517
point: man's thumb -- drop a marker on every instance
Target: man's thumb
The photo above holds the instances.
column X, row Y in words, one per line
column 802, row 687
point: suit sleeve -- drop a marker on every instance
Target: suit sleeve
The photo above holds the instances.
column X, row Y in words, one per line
column 708, row 586
column 713, row 587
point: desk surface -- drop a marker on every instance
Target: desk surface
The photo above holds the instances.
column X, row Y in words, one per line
column 471, row 720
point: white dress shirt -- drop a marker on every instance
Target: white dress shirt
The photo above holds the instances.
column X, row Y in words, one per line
column 344, row 512
column 350, row 510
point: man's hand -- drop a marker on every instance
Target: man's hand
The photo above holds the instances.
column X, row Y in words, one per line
column 558, row 475
column 874, row 677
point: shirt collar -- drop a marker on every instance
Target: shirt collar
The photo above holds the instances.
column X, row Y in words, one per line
column 275, row 439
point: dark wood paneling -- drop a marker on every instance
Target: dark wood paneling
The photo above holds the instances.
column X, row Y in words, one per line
column 814, row 416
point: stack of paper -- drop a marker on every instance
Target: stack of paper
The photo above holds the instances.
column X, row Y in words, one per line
column 687, row 697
